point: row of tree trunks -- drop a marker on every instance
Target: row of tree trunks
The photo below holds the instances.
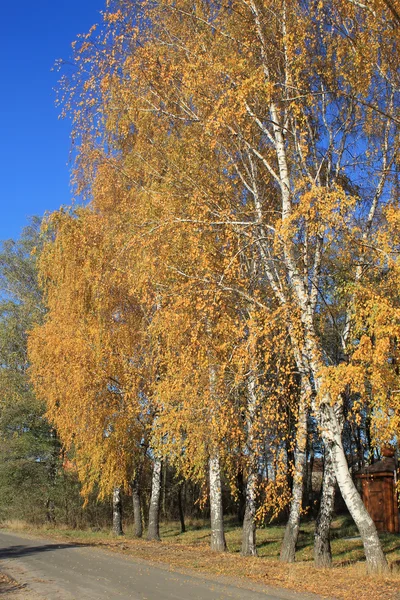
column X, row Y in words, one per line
column 322, row 550
column 153, row 532
column 217, row 526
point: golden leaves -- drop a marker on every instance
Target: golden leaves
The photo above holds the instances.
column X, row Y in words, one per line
column 222, row 153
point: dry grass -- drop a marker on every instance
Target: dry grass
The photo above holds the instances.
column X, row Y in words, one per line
column 347, row 580
column 15, row 525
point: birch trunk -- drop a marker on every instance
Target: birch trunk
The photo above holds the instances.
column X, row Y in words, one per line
column 164, row 489
column 218, row 543
column 329, row 417
column 137, row 508
column 303, row 269
column 288, row 550
column 249, row 547
column 117, row 512
column 322, row 543
column 330, row 420
column 153, row 532
column 376, row 560
column 306, row 301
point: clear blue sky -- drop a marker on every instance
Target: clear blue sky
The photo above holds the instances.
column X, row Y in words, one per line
column 34, row 143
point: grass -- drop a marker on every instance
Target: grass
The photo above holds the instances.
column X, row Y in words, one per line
column 348, row 579
column 346, row 545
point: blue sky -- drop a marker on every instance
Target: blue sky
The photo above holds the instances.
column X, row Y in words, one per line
column 34, row 143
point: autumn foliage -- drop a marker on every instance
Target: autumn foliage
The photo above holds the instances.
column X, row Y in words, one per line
column 233, row 265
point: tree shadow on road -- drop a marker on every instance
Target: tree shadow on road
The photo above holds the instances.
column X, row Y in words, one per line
column 19, row 550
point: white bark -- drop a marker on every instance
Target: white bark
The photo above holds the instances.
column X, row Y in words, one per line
column 249, row 547
column 153, row 532
column 117, row 512
column 303, row 283
column 375, row 557
column 218, row 543
column 331, row 429
column 322, row 544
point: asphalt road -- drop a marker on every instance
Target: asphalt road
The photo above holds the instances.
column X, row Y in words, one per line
column 58, row 571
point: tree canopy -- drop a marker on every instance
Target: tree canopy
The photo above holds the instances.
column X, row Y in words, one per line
column 236, row 261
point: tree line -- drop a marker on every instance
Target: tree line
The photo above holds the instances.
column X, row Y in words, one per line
column 226, row 292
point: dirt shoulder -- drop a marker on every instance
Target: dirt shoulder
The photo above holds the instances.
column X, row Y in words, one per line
column 10, row 589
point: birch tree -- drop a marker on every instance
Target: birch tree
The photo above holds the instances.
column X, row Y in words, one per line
column 301, row 124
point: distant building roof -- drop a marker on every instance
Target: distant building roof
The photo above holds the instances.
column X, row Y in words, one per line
column 387, row 465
